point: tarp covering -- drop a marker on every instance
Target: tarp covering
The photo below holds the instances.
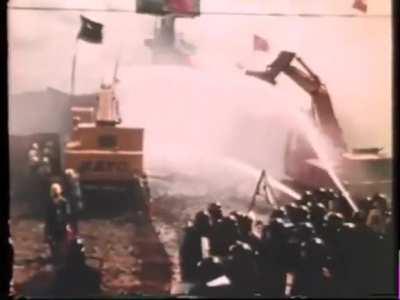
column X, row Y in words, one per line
column 44, row 111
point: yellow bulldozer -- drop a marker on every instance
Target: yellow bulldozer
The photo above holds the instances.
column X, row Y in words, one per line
column 107, row 156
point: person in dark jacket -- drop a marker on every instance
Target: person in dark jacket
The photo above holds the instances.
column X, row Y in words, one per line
column 57, row 222
column 192, row 249
column 223, row 234
column 273, row 259
column 310, row 276
column 76, row 278
column 246, row 233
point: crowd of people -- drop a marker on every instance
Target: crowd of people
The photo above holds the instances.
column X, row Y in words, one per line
column 42, row 159
column 60, row 193
column 314, row 247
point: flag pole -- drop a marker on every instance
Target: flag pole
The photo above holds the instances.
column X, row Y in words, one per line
column 116, row 67
column 73, row 71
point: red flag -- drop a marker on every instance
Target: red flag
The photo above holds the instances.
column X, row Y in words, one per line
column 361, row 5
column 260, row 44
column 181, row 6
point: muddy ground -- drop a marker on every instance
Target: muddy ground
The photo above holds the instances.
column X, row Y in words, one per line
column 118, row 246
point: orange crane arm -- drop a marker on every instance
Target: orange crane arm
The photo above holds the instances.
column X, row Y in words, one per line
column 322, row 107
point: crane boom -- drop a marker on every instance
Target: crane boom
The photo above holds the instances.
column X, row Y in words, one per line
column 322, row 107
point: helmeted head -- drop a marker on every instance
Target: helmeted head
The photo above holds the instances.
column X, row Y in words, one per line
column 245, row 224
column 215, row 211
column 365, row 203
column 305, row 231
column 333, row 220
column 303, row 214
column 291, row 210
column 240, row 249
column 330, row 192
column 236, row 214
column 279, row 213
column 380, row 201
column 202, row 222
column 297, row 213
column 307, row 196
column 229, row 227
column 322, row 195
column 317, row 212
column 334, row 202
column 274, row 230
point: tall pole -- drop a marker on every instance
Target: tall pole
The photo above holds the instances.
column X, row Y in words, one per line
column 271, row 197
column 73, row 71
column 116, row 67
column 256, row 191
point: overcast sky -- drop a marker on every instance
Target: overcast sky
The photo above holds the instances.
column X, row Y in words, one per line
column 353, row 56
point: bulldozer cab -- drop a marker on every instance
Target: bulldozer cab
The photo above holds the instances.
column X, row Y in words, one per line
column 366, row 173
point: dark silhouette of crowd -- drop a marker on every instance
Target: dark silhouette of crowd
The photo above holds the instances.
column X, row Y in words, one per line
column 316, row 247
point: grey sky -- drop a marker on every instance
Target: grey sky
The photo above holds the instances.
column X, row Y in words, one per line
column 351, row 55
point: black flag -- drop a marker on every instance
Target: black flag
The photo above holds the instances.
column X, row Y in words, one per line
column 90, row 31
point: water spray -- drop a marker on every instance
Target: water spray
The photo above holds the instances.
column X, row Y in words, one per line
column 317, row 144
column 254, row 172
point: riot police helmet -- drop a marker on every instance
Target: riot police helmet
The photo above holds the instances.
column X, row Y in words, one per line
column 317, row 212
column 333, row 219
column 380, row 201
column 202, row 221
column 322, row 195
column 279, row 212
column 236, row 214
column 215, row 210
column 245, row 224
column 240, row 249
column 307, row 196
column 275, row 229
column 365, row 203
column 303, row 213
column 291, row 210
column 305, row 231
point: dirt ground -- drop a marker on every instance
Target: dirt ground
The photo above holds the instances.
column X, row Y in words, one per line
column 129, row 261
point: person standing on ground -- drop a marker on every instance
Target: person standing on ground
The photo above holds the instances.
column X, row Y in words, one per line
column 57, row 222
